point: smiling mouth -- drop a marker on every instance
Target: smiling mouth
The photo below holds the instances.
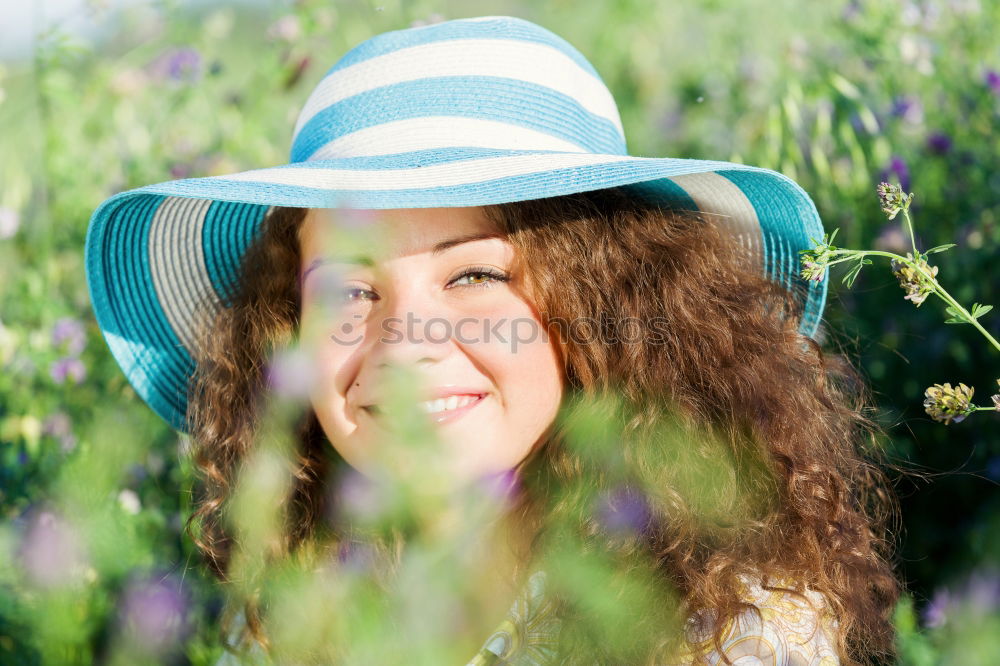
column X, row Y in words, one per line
column 439, row 409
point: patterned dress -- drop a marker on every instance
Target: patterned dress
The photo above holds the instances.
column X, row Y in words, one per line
column 790, row 631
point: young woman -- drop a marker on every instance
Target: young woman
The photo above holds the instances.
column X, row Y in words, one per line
column 519, row 264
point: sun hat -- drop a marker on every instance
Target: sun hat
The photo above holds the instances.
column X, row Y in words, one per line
column 466, row 112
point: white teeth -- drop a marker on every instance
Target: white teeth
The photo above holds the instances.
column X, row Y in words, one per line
column 441, row 404
column 447, row 404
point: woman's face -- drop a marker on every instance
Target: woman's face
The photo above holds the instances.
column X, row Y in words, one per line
column 434, row 294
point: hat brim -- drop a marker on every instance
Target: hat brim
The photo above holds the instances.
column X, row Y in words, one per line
column 158, row 255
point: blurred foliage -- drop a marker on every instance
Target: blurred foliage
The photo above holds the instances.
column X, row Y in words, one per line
column 94, row 489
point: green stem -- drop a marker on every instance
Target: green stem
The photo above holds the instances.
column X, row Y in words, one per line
column 984, row 409
column 939, row 291
column 909, row 227
column 838, row 261
column 946, row 297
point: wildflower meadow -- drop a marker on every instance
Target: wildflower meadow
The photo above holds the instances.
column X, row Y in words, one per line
column 863, row 102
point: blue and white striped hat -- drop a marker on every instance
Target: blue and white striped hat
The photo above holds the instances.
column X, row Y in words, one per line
column 462, row 113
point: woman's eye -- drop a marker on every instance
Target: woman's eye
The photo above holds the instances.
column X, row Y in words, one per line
column 357, row 295
column 477, row 277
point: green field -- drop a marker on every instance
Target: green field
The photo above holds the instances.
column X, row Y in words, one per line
column 838, row 95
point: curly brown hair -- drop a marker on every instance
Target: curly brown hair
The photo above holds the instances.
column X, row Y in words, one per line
column 810, row 503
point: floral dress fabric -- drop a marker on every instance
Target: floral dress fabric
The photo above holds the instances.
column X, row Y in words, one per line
column 789, row 631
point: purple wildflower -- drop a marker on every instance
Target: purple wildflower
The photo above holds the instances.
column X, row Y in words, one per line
column 184, row 64
column 10, row 222
column 68, row 367
column 907, row 108
column 356, row 556
column 154, row 613
column 60, row 426
column 71, row 332
column 623, row 511
column 992, row 80
column 897, row 167
column 983, row 592
column 502, row 486
column 179, row 171
column 937, row 610
column 978, row 595
column 180, row 64
column 292, row 374
column 50, row 551
column 939, row 143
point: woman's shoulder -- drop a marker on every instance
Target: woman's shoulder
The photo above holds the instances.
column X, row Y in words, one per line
column 782, row 625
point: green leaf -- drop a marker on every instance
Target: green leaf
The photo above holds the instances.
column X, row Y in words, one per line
column 956, row 316
column 845, row 87
column 852, row 274
column 978, row 310
column 940, row 248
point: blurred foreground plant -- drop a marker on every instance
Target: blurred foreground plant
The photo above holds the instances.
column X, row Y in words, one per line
column 402, row 567
column 961, row 623
column 944, row 403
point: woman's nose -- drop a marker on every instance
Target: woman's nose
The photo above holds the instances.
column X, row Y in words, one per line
column 412, row 330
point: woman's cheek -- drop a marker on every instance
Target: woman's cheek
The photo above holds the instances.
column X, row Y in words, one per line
column 527, row 369
column 334, row 359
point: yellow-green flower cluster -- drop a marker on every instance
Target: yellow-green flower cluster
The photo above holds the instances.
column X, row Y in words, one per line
column 893, row 199
column 946, row 404
column 815, row 260
column 914, row 282
column 813, row 270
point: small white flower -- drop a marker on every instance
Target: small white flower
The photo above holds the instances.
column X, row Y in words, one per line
column 286, row 28
column 129, row 502
column 10, row 222
column 129, row 82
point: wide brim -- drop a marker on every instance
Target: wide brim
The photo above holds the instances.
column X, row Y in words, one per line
column 158, row 256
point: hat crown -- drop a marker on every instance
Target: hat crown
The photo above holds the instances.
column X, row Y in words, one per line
column 465, row 113
column 494, row 82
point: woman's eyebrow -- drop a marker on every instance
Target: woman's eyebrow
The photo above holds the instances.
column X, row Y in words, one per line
column 316, row 263
column 367, row 261
column 458, row 240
